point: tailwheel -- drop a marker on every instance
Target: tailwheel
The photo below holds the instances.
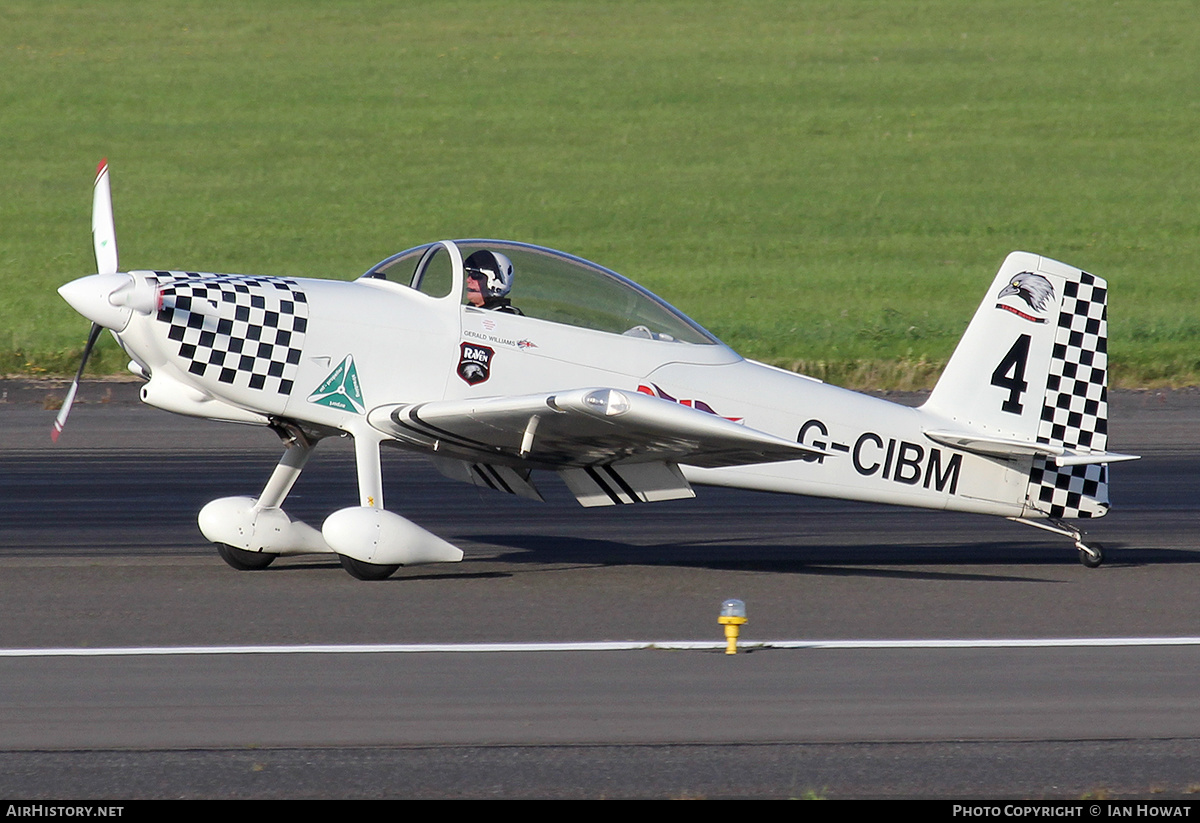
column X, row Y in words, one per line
column 367, row 571
column 1091, row 556
column 245, row 561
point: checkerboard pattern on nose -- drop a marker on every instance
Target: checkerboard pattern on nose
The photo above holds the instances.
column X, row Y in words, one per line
column 1075, row 408
column 241, row 330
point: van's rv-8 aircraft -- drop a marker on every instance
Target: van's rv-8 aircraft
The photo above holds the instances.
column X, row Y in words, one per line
column 574, row 369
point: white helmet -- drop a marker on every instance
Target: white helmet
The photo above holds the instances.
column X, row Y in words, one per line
column 494, row 271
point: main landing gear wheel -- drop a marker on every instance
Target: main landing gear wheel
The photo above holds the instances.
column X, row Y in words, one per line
column 1091, row 556
column 243, row 560
column 367, row 571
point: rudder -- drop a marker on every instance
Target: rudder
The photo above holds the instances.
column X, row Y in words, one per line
column 1075, row 406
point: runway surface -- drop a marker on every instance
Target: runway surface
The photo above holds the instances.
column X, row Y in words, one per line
column 99, row 549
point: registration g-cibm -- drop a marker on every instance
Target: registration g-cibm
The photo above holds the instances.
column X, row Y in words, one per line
column 897, row 460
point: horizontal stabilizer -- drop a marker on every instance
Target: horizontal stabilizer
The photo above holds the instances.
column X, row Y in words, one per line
column 1007, row 448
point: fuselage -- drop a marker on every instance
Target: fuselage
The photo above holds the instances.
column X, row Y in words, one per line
column 324, row 353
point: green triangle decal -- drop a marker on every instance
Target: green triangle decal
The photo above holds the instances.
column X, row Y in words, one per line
column 341, row 389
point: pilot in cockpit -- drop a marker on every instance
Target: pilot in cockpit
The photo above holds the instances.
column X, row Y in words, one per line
column 489, row 277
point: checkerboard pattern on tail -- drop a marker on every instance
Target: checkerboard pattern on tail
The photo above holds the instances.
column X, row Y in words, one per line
column 1075, row 408
column 244, row 331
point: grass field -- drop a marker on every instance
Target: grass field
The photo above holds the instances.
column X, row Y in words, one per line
column 828, row 186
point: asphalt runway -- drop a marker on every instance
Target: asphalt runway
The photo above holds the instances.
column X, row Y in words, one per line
column 99, row 550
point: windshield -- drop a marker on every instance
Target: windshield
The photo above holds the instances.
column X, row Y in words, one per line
column 554, row 286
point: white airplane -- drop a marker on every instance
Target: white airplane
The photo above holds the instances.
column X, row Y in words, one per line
column 496, row 358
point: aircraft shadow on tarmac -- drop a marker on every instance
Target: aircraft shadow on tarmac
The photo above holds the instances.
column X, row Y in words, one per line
column 901, row 560
column 721, row 529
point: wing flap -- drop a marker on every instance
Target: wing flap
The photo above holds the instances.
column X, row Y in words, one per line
column 623, row 483
column 500, row 478
column 582, row 427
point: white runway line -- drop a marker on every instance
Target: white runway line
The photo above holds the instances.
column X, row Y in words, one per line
column 684, row 645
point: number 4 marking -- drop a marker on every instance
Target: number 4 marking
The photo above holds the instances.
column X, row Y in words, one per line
column 1010, row 374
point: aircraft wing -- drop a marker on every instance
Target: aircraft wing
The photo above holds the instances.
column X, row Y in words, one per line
column 581, row 428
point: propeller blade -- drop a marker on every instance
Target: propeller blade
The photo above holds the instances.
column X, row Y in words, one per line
column 104, row 231
column 61, row 420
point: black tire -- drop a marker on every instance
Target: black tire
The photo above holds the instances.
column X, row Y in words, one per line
column 366, row 571
column 1092, row 561
column 245, row 561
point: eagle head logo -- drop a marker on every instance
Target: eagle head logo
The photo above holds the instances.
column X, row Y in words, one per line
column 1035, row 290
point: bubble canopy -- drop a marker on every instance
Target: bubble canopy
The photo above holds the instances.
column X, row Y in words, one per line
column 553, row 286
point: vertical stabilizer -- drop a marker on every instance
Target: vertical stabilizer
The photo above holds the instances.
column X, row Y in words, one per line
column 1033, row 367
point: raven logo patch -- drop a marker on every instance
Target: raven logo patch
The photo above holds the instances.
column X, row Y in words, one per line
column 475, row 362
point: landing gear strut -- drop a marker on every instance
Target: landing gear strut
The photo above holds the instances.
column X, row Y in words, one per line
column 1091, row 555
column 250, row 533
column 371, row 542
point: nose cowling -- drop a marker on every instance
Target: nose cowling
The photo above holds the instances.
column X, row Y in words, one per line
column 108, row 300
